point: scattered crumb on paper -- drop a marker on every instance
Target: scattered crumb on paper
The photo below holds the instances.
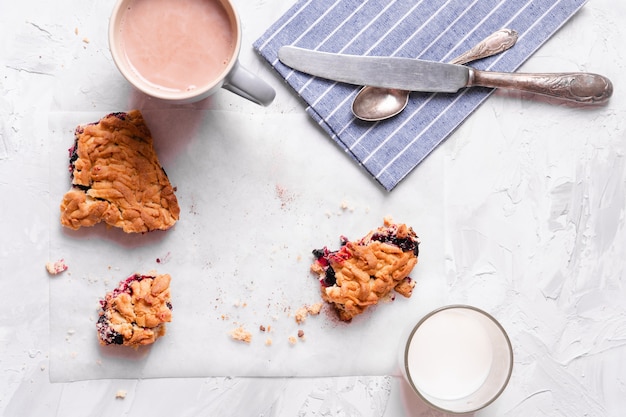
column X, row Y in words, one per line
column 241, row 334
column 303, row 312
column 57, row 267
column 283, row 195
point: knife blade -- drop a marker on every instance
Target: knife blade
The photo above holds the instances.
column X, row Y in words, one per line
column 428, row 76
column 377, row 71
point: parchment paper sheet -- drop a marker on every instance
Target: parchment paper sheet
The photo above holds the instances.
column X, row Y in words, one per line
column 257, row 194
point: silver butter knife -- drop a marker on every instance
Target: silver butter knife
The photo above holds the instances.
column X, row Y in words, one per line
column 427, row 76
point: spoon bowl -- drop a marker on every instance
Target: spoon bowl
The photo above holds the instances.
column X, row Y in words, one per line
column 377, row 103
column 373, row 104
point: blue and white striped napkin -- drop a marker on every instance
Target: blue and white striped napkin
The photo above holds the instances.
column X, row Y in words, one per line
column 437, row 30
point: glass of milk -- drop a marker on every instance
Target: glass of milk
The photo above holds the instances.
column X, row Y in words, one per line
column 458, row 359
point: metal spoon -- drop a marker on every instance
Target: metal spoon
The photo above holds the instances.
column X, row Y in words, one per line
column 372, row 104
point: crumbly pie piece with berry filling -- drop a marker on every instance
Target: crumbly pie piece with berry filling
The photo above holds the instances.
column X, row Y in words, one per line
column 117, row 178
column 363, row 272
column 135, row 313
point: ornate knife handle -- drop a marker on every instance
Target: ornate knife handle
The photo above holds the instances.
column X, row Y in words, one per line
column 580, row 87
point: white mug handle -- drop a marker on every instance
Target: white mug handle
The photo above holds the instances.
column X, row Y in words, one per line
column 247, row 85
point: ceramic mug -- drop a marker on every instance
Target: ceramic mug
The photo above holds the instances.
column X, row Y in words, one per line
column 182, row 51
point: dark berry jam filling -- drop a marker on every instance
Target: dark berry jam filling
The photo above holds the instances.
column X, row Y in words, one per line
column 120, row 115
column 73, row 151
column 407, row 244
column 107, row 334
column 329, row 278
column 324, row 256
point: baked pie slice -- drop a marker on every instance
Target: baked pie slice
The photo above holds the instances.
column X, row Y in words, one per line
column 135, row 313
column 117, row 178
column 363, row 272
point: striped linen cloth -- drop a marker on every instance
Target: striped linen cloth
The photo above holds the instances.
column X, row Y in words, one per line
column 436, row 30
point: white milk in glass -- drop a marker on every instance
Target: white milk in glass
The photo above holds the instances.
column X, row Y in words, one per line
column 450, row 355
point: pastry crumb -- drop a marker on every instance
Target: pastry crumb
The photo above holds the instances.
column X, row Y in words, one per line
column 268, row 342
column 241, row 334
column 301, row 334
column 314, row 309
column 121, row 394
column 304, row 311
column 301, row 314
column 292, row 340
column 345, row 206
column 164, row 259
column 57, row 267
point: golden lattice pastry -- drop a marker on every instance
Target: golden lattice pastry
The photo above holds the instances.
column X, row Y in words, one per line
column 363, row 272
column 117, row 178
column 135, row 312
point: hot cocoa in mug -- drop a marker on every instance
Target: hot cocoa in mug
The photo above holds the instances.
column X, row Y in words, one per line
column 182, row 50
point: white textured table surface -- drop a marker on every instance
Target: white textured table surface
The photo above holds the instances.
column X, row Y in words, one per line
column 533, row 224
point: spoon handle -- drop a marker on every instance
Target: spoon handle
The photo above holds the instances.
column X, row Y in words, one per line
column 493, row 44
column 580, row 87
